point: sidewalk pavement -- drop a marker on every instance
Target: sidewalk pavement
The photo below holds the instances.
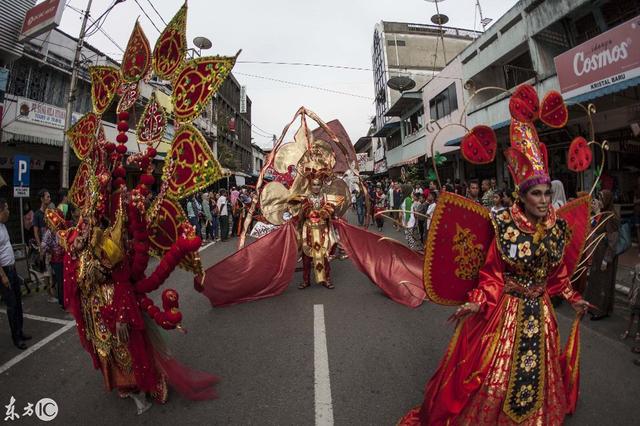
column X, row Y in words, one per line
column 626, row 267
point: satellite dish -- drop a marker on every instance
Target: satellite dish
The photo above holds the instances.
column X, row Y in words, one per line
column 439, row 19
column 401, row 83
column 202, row 43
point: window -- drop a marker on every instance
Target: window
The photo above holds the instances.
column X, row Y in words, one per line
column 618, row 11
column 586, row 28
column 414, row 123
column 396, row 43
column 444, row 103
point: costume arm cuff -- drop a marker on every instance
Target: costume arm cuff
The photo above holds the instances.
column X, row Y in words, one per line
column 570, row 294
column 477, row 296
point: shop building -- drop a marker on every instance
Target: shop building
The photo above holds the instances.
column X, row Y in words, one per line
column 520, row 48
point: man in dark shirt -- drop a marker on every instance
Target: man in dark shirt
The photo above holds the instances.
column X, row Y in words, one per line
column 9, row 281
column 39, row 223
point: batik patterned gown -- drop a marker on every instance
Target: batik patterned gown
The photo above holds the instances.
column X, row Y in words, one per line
column 504, row 365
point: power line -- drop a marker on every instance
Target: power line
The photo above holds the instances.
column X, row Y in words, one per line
column 344, row 67
column 157, row 13
column 262, row 130
column 306, row 65
column 308, row 86
column 148, row 17
column 99, row 28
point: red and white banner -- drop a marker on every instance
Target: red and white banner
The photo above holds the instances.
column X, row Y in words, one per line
column 605, row 60
column 41, row 18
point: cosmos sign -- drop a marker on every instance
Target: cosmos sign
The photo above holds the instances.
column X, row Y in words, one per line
column 605, row 60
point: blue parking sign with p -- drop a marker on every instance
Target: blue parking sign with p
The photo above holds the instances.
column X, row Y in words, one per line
column 21, row 170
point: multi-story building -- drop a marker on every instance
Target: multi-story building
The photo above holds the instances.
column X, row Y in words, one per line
column 414, row 51
column 233, row 127
column 409, row 50
column 258, row 160
column 547, row 44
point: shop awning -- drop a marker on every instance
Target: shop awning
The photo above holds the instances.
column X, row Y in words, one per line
column 404, row 104
column 387, row 130
column 413, row 160
column 17, row 137
column 456, row 141
column 618, row 87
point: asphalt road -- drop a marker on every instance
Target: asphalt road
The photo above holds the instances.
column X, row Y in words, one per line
column 380, row 355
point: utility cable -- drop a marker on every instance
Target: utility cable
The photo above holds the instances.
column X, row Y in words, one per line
column 157, row 13
column 308, row 86
column 148, row 17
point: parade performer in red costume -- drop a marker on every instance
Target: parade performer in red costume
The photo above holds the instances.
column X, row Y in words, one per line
column 302, row 198
column 317, row 237
column 108, row 250
column 504, row 364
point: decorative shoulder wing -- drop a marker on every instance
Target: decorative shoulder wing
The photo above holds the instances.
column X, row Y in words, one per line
column 576, row 215
column 459, row 238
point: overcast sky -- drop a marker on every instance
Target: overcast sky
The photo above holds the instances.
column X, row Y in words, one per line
column 333, row 32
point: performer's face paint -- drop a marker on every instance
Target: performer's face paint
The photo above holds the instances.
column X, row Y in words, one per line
column 316, row 186
column 537, row 200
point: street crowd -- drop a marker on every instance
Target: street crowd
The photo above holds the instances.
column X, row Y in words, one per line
column 407, row 206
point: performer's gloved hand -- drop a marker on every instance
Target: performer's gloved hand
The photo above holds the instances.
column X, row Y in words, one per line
column 581, row 306
column 464, row 310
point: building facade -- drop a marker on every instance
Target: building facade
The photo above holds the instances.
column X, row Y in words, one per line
column 233, row 127
column 411, row 50
column 414, row 51
column 525, row 46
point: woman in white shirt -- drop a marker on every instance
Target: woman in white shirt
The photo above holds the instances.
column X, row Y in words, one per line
column 558, row 198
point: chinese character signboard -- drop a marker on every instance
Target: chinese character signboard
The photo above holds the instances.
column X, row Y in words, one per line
column 243, row 99
column 34, row 112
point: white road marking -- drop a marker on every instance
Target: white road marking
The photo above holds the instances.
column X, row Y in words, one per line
column 205, row 246
column 45, row 319
column 324, row 406
column 31, row 349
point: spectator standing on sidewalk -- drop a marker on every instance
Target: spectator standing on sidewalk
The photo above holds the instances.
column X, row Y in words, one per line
column 223, row 215
column 487, row 194
column 39, row 223
column 215, row 224
column 473, row 192
column 398, row 198
column 636, row 211
column 51, row 247
column 9, row 281
column 63, row 205
column 558, row 197
column 634, row 305
column 192, row 214
column 601, row 283
column 360, row 206
column 208, row 219
column 390, row 200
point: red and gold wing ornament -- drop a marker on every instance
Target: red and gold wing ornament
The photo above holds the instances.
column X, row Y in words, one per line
column 166, row 222
column 104, row 86
column 459, row 238
column 196, row 82
column 136, row 61
column 129, row 93
column 190, row 164
column 577, row 215
column 170, row 49
column 82, row 135
column 153, row 122
column 83, row 187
